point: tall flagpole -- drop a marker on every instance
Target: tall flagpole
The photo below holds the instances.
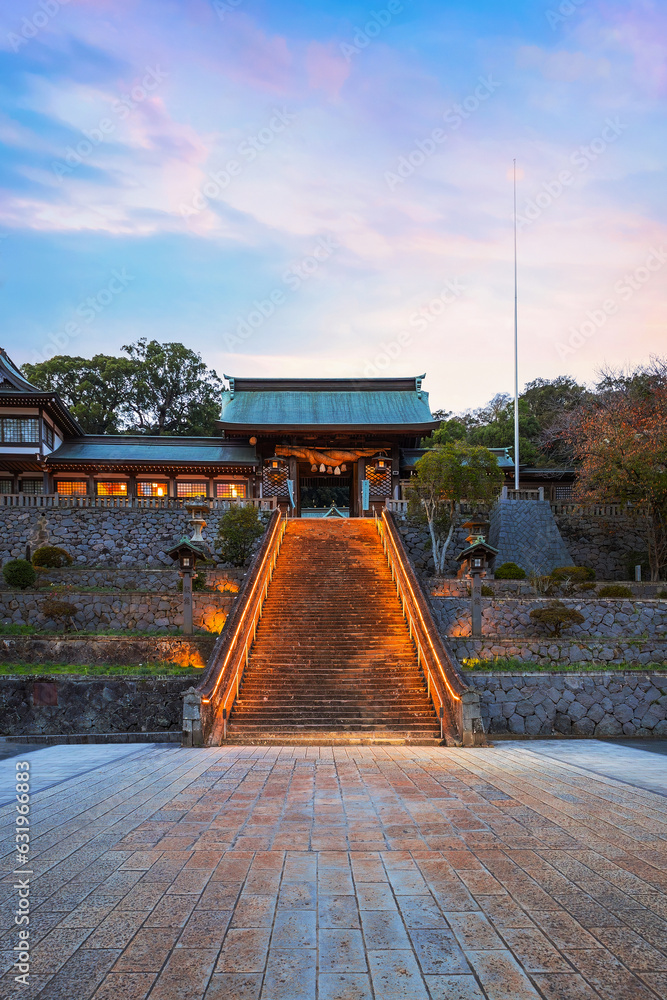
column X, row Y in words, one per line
column 516, row 355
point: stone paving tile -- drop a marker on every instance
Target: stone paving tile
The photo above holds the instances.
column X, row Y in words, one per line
column 388, row 873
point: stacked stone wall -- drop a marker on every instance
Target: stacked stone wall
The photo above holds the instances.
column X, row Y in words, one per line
column 157, row 581
column 604, row 543
column 562, row 652
column 91, row 705
column 100, row 536
column 510, row 618
column 601, row 704
column 186, row 651
column 142, row 612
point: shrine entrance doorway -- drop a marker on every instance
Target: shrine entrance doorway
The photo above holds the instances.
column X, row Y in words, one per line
column 322, row 494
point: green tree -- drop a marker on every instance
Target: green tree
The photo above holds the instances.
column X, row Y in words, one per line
column 238, row 529
column 173, row 392
column 446, row 475
column 95, row 389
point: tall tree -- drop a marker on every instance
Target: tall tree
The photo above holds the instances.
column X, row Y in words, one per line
column 95, row 389
column 174, row 392
column 619, row 438
column 446, row 475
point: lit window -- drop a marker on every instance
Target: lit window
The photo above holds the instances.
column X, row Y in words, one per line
column 191, row 489
column 48, row 435
column 231, row 491
column 6, row 485
column 152, row 489
column 68, row 487
column 32, row 486
column 20, row 430
column 112, row 489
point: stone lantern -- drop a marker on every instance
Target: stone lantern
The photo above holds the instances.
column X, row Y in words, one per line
column 187, row 552
column 473, row 561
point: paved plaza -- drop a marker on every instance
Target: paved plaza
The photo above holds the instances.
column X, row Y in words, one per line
column 343, row 873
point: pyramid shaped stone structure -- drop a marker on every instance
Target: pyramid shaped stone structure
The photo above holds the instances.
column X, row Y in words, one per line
column 525, row 532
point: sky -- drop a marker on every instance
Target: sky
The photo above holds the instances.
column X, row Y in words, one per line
column 325, row 189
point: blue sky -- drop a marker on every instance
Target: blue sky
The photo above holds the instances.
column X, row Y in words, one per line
column 325, row 188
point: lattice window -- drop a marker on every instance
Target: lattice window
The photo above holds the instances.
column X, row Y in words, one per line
column 191, row 489
column 6, row 485
column 563, row 492
column 69, row 487
column 112, row 488
column 380, row 482
column 231, row 491
column 33, row 486
column 274, row 483
column 152, row 489
column 48, row 434
column 20, row 430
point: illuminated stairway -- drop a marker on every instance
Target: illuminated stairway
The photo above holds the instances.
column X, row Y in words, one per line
column 332, row 655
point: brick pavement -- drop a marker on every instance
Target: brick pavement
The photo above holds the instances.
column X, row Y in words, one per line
column 344, row 873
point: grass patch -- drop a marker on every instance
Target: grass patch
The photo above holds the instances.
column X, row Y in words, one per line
column 10, row 629
column 511, row 665
column 156, row 669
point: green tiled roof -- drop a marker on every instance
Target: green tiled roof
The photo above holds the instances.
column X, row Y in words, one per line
column 321, row 403
column 174, row 450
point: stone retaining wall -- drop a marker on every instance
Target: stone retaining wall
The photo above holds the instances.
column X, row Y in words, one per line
column 603, row 543
column 600, row 704
column 552, row 652
column 91, row 704
column 156, row 581
column 510, row 618
column 124, row 610
column 190, row 651
column 100, row 536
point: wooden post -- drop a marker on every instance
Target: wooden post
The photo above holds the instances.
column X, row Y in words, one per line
column 476, row 590
column 187, row 603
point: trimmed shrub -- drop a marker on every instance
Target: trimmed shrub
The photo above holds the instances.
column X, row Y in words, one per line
column 198, row 582
column 556, row 617
column 59, row 611
column 51, row 557
column 19, row 573
column 614, row 590
column 575, row 574
column 238, row 530
column 589, row 587
column 509, row 571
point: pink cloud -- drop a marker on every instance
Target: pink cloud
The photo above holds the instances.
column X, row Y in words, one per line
column 326, row 69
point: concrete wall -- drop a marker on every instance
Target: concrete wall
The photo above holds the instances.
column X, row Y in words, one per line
column 91, row 705
column 141, row 612
column 601, row 704
column 510, row 618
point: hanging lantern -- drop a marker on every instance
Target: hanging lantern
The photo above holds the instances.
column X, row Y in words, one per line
column 313, row 468
column 343, row 468
column 276, row 465
column 329, row 470
column 323, row 468
column 381, row 463
column 336, row 471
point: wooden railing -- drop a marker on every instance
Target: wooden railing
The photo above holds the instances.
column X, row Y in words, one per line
column 446, row 688
column 507, row 494
column 128, row 503
column 207, row 708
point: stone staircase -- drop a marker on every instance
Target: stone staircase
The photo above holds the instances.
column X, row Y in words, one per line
column 333, row 660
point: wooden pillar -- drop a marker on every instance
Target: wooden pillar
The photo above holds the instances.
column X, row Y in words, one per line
column 132, row 486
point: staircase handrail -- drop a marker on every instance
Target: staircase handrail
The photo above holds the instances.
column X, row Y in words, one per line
column 219, row 688
column 446, row 687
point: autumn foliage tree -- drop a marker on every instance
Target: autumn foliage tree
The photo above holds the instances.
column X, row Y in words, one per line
column 446, row 475
column 619, row 438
